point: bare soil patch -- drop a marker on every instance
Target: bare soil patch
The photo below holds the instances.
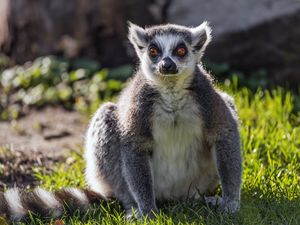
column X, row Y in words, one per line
column 50, row 131
column 37, row 142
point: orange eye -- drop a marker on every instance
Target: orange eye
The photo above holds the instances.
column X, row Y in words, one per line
column 153, row 52
column 181, row 51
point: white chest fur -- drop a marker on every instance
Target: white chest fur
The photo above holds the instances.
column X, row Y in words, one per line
column 181, row 165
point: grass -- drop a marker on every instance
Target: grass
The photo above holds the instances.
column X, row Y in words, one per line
column 270, row 131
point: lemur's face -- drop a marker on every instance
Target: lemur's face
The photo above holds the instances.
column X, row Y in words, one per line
column 168, row 55
column 169, row 50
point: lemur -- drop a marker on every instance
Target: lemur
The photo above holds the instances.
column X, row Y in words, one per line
column 171, row 134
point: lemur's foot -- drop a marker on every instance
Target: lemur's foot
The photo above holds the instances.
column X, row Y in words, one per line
column 229, row 206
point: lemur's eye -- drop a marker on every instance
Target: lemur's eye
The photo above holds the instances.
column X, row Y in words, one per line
column 181, row 51
column 153, row 52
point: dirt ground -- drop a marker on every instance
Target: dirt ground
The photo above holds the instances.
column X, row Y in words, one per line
column 51, row 131
column 38, row 140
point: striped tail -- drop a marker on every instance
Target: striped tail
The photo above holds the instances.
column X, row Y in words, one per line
column 15, row 204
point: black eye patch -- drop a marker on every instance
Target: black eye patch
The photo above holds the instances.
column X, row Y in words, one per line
column 154, row 45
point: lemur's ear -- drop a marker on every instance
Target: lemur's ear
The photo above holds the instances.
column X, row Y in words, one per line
column 137, row 36
column 201, row 36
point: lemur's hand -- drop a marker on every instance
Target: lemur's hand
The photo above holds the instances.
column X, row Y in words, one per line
column 229, row 206
column 135, row 213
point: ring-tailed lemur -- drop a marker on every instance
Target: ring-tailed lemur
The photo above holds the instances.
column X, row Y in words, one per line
column 171, row 135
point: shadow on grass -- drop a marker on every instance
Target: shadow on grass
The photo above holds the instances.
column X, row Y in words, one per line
column 254, row 210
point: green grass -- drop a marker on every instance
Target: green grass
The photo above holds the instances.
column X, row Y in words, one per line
column 270, row 131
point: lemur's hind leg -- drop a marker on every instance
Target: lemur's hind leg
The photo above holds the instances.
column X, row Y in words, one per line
column 229, row 165
column 103, row 162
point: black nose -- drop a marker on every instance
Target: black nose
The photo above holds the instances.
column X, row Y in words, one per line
column 167, row 66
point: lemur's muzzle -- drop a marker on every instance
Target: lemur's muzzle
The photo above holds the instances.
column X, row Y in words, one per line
column 167, row 66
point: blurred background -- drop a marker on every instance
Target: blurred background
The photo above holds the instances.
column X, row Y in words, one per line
column 250, row 36
column 59, row 60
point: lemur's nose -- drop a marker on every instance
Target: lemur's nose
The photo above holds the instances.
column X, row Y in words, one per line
column 167, row 66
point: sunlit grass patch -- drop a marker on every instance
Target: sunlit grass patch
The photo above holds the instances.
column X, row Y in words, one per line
column 270, row 132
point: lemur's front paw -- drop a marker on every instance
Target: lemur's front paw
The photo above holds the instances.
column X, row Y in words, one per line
column 229, row 206
column 132, row 213
column 137, row 214
column 149, row 214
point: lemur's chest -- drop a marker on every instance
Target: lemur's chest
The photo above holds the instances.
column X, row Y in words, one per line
column 177, row 125
column 178, row 155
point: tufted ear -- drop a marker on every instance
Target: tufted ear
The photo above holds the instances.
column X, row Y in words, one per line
column 201, row 36
column 137, row 36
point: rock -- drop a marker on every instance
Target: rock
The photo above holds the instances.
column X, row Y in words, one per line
column 96, row 29
column 249, row 35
